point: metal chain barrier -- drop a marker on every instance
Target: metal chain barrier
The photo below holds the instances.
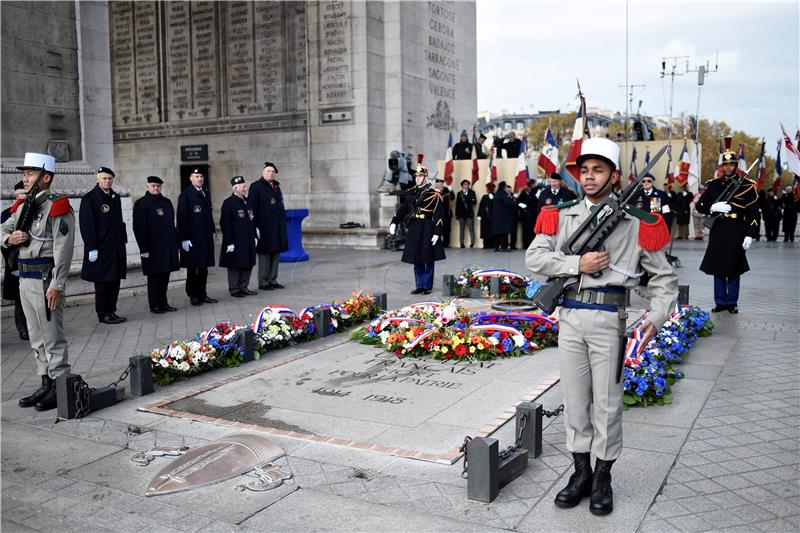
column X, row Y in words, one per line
column 550, row 414
column 123, row 376
column 83, row 398
column 463, row 450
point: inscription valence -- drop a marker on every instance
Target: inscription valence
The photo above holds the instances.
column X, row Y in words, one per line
column 335, row 67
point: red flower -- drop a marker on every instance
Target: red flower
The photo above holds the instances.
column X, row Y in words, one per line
column 528, row 333
column 460, row 350
column 503, row 335
column 398, row 352
column 541, row 334
column 498, row 348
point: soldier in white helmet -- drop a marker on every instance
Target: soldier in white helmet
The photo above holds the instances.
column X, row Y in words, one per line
column 45, row 253
column 592, row 318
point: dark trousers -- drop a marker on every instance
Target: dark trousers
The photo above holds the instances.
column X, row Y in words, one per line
column 488, row 242
column 527, row 231
column 500, row 241
column 157, row 289
column 238, row 279
column 789, row 225
column 726, row 290
column 423, row 275
column 105, row 296
column 196, row 279
column 513, row 234
column 268, row 268
column 771, row 228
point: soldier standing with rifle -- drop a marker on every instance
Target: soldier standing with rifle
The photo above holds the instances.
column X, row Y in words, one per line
column 42, row 228
column 732, row 204
column 595, row 250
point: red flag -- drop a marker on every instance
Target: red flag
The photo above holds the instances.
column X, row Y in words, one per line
column 493, row 172
column 521, row 178
column 796, row 189
column 449, row 166
column 578, row 134
column 475, row 173
column 741, row 170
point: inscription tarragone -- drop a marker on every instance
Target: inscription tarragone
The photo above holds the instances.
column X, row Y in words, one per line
column 335, row 63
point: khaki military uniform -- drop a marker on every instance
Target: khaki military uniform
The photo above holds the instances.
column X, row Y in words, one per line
column 589, row 339
column 44, row 263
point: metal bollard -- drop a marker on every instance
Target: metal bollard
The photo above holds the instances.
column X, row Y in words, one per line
column 683, row 295
column 322, row 321
column 487, row 472
column 531, row 434
column 141, row 375
column 494, row 287
column 381, row 301
column 448, row 282
column 65, row 395
column 247, row 340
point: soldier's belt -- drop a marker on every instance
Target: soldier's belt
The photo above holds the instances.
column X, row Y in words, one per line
column 36, row 268
column 420, row 215
column 599, row 297
column 729, row 215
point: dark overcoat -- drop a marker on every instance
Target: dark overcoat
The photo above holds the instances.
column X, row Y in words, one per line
column 502, row 213
column 103, row 230
column 422, row 209
column 485, row 214
column 528, row 214
column 724, row 255
column 196, row 223
column 238, row 229
column 154, row 228
column 546, row 197
column 266, row 203
column 683, row 207
column 465, row 204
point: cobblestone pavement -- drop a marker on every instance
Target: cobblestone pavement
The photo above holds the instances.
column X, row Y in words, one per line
column 723, row 456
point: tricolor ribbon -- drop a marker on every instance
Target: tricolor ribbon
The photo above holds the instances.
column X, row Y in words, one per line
column 497, row 272
column 280, row 310
column 522, row 317
column 677, row 312
column 486, row 328
column 632, row 347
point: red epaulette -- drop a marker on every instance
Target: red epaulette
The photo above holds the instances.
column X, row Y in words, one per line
column 547, row 221
column 60, row 207
column 14, row 207
column 653, row 235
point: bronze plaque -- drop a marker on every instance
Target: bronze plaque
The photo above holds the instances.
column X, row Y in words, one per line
column 213, row 462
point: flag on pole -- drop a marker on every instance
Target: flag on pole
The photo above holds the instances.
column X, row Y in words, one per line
column 776, row 183
column 548, row 156
column 682, row 167
column 578, row 134
column 633, row 172
column 741, row 170
column 668, row 177
column 762, row 168
column 521, row 179
column 449, row 166
column 792, row 155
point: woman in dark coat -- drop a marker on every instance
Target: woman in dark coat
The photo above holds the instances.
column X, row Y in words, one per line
column 422, row 209
column 238, row 252
column 502, row 216
column 485, row 216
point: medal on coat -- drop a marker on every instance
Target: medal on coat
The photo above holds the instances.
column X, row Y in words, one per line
column 272, row 201
column 197, row 208
column 250, row 212
column 105, row 208
column 548, row 201
column 160, row 212
column 240, row 212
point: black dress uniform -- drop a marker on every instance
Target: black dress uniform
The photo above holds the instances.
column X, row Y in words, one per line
column 238, row 252
column 485, row 216
column 725, row 258
column 196, row 224
column 265, row 200
column 773, row 211
column 528, row 214
column 555, row 197
column 422, row 209
column 157, row 237
column 503, row 222
column 103, row 231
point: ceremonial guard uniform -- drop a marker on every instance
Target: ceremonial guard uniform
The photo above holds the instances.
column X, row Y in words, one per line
column 528, row 206
column 266, row 202
column 196, row 233
column 154, row 228
column 423, row 211
column 592, row 318
column 11, row 277
column 485, row 216
column 238, row 252
column 555, row 194
column 104, row 239
column 732, row 234
column 44, row 261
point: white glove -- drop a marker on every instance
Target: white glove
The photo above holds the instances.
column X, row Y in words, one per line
column 491, row 196
column 230, row 248
column 258, row 233
column 392, row 229
column 721, row 207
column 434, row 240
column 92, row 256
column 186, row 245
column 665, row 209
column 145, row 255
column 479, row 218
column 523, row 206
column 747, row 242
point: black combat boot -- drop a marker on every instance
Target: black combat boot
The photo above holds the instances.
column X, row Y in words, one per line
column 602, row 500
column 580, row 482
column 49, row 400
column 33, row 399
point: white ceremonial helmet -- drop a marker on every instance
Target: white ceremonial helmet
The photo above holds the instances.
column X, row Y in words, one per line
column 600, row 147
column 34, row 161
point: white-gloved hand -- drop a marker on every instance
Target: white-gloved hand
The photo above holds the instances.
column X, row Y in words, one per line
column 665, row 209
column 392, row 229
column 434, row 240
column 258, row 233
column 186, row 245
column 230, row 248
column 92, row 256
column 523, row 206
column 721, row 207
column 491, row 196
column 145, row 255
column 747, row 242
column 479, row 218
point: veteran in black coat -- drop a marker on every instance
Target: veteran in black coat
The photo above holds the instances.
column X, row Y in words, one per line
column 104, row 238
column 790, row 208
column 157, row 238
column 238, row 252
column 683, row 209
column 422, row 208
column 556, row 193
column 265, row 200
column 485, row 216
column 528, row 206
column 734, row 230
column 772, row 207
column 196, row 232
column 503, row 219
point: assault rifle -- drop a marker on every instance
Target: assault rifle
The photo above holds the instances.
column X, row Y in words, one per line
column 591, row 235
column 727, row 194
column 24, row 220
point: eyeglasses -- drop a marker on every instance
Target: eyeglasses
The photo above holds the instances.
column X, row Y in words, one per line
column 647, row 181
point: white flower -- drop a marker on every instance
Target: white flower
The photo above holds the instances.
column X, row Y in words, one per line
column 163, row 363
column 183, row 366
column 519, row 340
column 384, row 335
column 493, row 340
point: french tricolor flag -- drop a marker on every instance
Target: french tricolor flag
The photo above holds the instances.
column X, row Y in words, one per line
column 578, row 134
column 449, row 166
column 633, row 172
column 682, row 168
column 521, row 178
column 493, row 170
column 632, row 347
column 741, row 170
column 548, row 157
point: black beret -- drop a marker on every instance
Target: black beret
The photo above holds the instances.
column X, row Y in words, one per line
column 555, row 176
column 106, row 170
column 154, row 179
column 237, row 180
column 197, row 171
column 268, row 164
column 482, row 136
